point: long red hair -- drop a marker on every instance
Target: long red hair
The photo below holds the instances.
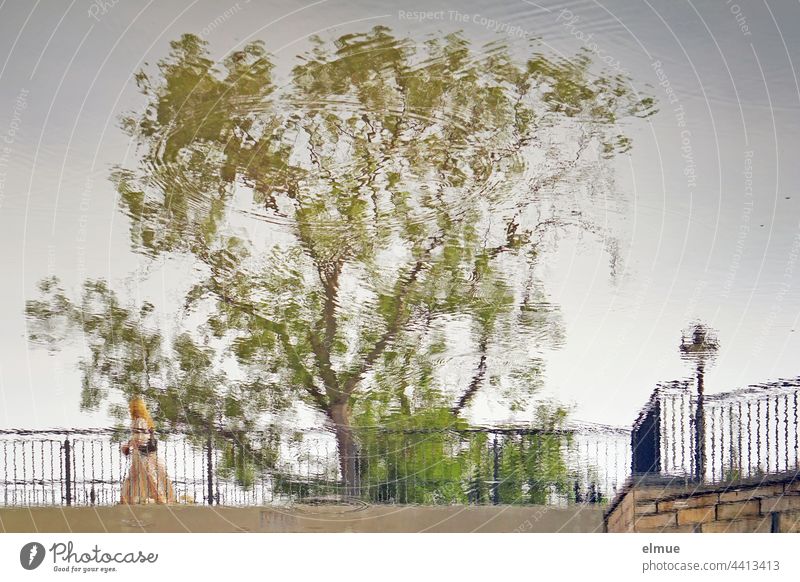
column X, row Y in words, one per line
column 139, row 410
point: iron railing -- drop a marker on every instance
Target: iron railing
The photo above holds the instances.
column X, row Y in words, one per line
column 584, row 464
column 745, row 433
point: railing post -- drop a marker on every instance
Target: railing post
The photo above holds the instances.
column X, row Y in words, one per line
column 496, row 473
column 210, row 470
column 700, row 428
column 68, row 471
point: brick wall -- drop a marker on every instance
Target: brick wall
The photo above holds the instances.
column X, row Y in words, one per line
column 648, row 506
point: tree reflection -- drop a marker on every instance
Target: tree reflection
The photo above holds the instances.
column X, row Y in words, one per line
column 360, row 223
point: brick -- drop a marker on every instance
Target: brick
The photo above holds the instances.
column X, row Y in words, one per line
column 624, row 513
column 646, row 508
column 696, row 515
column 688, row 502
column 621, row 519
column 738, row 509
column 793, row 486
column 656, row 521
column 613, row 523
column 789, row 522
column 750, row 525
column 689, row 528
column 752, row 493
column 782, row 503
column 652, row 493
column 626, row 517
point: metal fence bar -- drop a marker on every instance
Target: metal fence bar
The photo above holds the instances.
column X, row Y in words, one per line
column 67, row 472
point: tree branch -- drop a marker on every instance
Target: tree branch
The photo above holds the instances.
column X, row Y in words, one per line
column 477, row 379
column 278, row 329
column 393, row 328
column 329, row 275
column 327, row 373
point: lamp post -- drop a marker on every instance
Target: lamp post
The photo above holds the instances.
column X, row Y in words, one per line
column 699, row 345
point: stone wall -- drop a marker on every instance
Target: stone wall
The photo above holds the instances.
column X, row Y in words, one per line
column 660, row 506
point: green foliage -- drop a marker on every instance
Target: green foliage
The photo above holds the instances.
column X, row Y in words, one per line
column 127, row 354
column 123, row 350
column 426, row 458
column 534, row 468
column 246, row 456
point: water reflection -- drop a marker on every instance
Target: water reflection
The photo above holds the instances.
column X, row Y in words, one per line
column 365, row 232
